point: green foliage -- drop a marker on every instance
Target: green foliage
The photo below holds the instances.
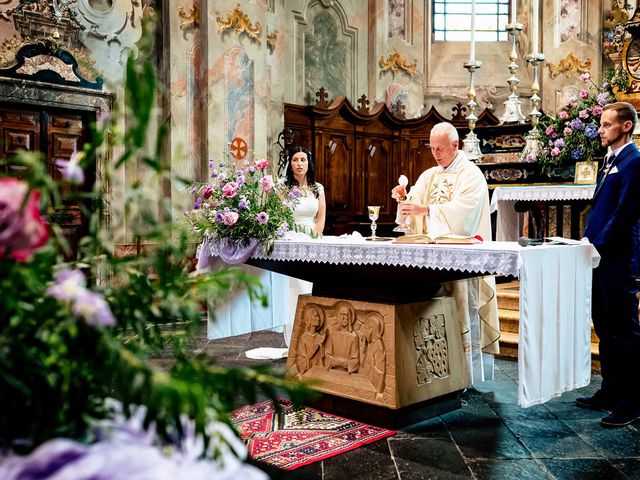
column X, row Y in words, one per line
column 56, row 370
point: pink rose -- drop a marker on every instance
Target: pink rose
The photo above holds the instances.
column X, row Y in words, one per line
column 567, row 131
column 22, row 229
column 584, row 94
column 586, row 76
column 555, row 152
column 262, row 163
column 267, row 183
column 230, row 218
column 597, row 110
column 208, row 190
column 584, row 113
column 564, row 114
column 230, row 189
column 549, row 130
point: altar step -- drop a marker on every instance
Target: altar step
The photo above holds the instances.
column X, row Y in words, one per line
column 508, row 312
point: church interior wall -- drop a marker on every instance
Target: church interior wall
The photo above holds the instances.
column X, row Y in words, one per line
column 229, row 83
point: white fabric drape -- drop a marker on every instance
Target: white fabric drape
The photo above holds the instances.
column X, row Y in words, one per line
column 554, row 352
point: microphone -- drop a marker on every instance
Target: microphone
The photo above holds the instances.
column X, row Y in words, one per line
column 530, row 242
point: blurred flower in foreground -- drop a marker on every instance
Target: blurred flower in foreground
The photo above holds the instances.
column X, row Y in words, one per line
column 22, row 229
column 71, row 169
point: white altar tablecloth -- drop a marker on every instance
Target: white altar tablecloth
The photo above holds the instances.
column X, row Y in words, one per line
column 555, row 297
column 509, row 222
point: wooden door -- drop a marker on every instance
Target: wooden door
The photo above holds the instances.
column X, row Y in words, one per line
column 56, row 134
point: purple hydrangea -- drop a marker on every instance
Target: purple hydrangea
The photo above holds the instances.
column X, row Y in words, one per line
column 559, row 143
column 576, row 154
column 591, row 131
column 602, row 99
column 577, row 124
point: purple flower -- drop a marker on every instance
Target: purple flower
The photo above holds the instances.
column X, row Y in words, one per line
column 243, row 204
column 576, row 154
column 219, row 217
column 559, row 143
column 212, row 163
column 240, row 180
column 94, row 309
column 282, row 229
column 591, row 131
column 262, row 218
column 577, row 124
column 197, row 204
column 602, row 98
column 71, row 169
column 68, row 284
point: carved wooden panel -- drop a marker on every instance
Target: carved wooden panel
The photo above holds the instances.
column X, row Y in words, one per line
column 385, row 354
column 376, row 180
column 334, row 166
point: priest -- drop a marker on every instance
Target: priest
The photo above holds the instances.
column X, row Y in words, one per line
column 452, row 198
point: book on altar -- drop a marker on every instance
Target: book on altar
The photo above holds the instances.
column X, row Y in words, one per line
column 444, row 239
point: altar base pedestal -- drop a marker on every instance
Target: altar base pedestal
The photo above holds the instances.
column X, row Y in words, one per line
column 392, row 356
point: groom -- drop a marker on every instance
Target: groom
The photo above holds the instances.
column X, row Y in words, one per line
column 613, row 227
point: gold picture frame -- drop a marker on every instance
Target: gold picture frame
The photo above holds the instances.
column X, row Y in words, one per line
column 586, row 173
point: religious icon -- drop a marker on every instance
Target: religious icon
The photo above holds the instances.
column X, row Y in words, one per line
column 586, row 173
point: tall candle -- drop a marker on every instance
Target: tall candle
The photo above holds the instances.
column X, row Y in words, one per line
column 472, row 43
column 513, row 12
column 534, row 30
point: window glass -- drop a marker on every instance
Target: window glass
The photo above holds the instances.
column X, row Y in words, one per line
column 452, row 20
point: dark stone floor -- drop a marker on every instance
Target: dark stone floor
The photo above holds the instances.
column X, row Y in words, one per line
column 490, row 437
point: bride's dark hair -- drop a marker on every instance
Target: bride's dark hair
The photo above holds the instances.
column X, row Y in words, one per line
column 291, row 180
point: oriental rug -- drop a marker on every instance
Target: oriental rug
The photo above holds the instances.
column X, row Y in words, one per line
column 294, row 438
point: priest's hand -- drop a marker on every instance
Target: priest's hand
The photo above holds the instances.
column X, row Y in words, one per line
column 399, row 193
column 410, row 208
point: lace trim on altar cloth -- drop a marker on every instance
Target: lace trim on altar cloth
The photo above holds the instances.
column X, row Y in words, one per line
column 542, row 193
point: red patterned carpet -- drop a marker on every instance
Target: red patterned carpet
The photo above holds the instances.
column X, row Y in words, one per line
column 299, row 437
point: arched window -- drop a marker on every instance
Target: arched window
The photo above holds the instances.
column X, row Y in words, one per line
column 452, row 20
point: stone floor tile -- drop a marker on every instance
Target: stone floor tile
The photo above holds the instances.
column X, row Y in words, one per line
column 432, row 427
column 538, row 427
column 628, row 466
column 520, row 469
column 428, row 458
column 486, row 439
column 608, row 442
column 566, row 446
column 582, row 468
column 370, row 462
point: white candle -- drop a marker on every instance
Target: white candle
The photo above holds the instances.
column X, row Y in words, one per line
column 513, row 12
column 535, row 15
column 472, row 43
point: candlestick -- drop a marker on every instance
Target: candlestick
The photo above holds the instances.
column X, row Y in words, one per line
column 471, row 141
column 514, row 17
column 533, row 146
column 535, row 16
column 512, row 109
column 472, row 42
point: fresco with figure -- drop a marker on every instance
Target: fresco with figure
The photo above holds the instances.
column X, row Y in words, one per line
column 325, row 57
column 239, row 79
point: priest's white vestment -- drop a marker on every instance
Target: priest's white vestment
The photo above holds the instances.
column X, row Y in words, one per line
column 458, row 200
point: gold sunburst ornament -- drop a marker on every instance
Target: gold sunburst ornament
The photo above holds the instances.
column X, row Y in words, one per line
column 396, row 62
column 239, row 21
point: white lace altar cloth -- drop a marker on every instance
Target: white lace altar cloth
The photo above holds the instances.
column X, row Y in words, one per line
column 554, row 353
column 508, row 223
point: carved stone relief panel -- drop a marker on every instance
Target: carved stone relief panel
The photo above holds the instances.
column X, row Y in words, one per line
column 431, row 344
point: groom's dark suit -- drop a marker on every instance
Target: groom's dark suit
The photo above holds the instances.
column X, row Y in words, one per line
column 613, row 227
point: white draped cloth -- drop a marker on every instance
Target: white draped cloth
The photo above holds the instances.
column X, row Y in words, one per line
column 458, row 200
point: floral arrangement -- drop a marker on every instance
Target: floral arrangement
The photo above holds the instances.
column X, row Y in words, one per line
column 76, row 336
column 242, row 205
column 573, row 136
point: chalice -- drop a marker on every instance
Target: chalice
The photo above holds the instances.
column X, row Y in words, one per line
column 404, row 225
column 374, row 212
